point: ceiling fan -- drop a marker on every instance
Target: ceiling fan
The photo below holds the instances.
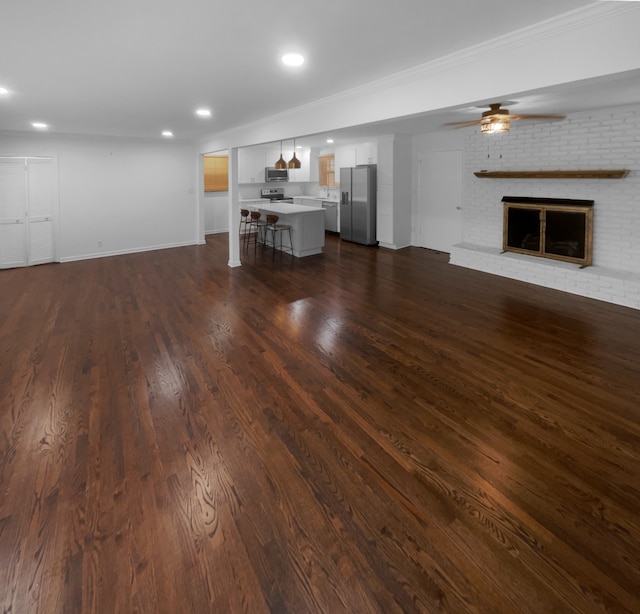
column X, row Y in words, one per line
column 497, row 119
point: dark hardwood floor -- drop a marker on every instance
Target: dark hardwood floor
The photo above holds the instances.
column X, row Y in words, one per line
column 363, row 431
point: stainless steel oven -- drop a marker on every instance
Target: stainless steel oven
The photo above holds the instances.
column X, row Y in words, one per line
column 275, row 195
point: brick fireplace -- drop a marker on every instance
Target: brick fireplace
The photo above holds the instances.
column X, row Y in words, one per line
column 599, row 140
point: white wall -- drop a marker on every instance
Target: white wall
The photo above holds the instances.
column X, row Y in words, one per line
column 216, row 212
column 601, row 139
column 130, row 195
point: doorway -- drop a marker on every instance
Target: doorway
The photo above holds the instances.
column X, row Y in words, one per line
column 28, row 197
column 440, row 199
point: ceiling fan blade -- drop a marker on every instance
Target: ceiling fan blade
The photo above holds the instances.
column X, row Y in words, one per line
column 516, row 117
column 472, row 122
column 498, row 115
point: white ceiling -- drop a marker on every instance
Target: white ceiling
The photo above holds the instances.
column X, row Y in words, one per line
column 136, row 67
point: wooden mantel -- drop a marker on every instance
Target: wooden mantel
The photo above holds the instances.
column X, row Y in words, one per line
column 589, row 174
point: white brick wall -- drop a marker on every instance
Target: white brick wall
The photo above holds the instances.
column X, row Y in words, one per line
column 601, row 139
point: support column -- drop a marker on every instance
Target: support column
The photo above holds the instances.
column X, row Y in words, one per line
column 234, row 210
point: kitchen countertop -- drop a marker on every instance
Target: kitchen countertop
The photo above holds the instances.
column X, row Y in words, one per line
column 244, row 201
column 285, row 208
column 320, row 198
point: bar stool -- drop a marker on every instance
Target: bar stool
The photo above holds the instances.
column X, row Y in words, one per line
column 245, row 225
column 258, row 226
column 273, row 226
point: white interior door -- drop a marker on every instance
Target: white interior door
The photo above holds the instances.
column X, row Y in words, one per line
column 13, row 200
column 440, row 199
column 27, row 199
column 40, row 201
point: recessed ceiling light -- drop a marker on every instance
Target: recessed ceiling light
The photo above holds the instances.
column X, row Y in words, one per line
column 203, row 113
column 329, row 140
column 293, row 59
column 167, row 133
column 39, row 125
column 3, row 91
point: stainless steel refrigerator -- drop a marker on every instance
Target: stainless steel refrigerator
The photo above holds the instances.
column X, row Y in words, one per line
column 358, row 204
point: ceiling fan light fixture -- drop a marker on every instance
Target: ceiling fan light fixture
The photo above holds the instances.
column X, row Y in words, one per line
column 495, row 126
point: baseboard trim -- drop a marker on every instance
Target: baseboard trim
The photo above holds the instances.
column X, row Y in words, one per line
column 122, row 252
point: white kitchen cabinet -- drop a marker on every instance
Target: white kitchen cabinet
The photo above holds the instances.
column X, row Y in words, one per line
column 366, row 153
column 313, row 164
column 251, row 163
column 272, row 156
column 307, row 227
column 259, row 162
column 304, row 172
column 308, row 201
column 347, row 156
column 245, row 168
column 344, row 157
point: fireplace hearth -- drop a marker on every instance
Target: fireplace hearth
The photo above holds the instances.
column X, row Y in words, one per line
column 556, row 228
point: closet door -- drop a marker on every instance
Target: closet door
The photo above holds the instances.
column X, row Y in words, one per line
column 40, row 195
column 27, row 197
column 13, row 224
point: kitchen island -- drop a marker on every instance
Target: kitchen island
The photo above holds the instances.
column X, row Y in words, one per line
column 307, row 226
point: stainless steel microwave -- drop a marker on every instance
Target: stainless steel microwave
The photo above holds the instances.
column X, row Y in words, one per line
column 276, row 174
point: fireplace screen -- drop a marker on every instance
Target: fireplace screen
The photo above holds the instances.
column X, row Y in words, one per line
column 558, row 228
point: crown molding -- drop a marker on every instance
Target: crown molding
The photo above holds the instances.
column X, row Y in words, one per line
column 499, row 46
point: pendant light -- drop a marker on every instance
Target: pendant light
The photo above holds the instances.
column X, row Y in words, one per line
column 294, row 162
column 281, row 164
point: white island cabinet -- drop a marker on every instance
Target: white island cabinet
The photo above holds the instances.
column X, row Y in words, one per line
column 308, row 201
column 307, row 227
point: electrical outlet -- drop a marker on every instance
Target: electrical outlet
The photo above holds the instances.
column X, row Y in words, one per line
column 99, row 243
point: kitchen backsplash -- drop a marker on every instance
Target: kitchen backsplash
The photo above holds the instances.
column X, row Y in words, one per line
column 326, row 192
column 291, row 190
